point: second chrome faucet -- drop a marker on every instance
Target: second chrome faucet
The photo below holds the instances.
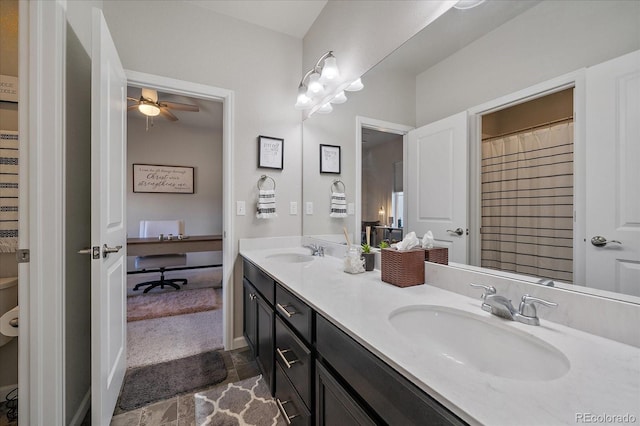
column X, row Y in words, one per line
column 502, row 307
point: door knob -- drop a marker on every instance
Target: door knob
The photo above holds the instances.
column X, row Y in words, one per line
column 106, row 250
column 599, row 241
column 457, row 231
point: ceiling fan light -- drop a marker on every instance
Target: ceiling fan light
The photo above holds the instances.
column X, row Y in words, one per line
column 468, row 4
column 315, row 87
column 340, row 98
column 148, row 108
column 329, row 70
column 355, row 86
column 326, row 108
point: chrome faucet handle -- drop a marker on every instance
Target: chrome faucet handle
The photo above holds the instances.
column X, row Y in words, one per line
column 528, row 310
column 488, row 290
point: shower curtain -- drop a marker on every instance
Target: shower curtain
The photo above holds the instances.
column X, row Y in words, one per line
column 527, row 202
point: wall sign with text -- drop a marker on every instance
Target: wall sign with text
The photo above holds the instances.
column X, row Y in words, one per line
column 162, row 179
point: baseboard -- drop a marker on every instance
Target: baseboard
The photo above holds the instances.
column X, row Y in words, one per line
column 4, row 391
column 239, row 342
column 82, row 411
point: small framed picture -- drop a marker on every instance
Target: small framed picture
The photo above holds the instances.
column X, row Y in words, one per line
column 270, row 152
column 330, row 159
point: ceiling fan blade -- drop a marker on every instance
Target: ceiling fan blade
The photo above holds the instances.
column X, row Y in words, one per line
column 150, row 94
column 180, row 107
column 167, row 114
column 132, row 107
column 129, row 98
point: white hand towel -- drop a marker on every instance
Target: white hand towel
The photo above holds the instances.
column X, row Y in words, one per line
column 338, row 205
column 266, row 204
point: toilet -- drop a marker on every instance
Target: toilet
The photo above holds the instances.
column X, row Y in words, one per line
column 8, row 301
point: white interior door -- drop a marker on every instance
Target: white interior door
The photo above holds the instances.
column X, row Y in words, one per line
column 108, row 230
column 436, row 193
column 613, row 174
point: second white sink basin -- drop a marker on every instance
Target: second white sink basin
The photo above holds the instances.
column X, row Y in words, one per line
column 480, row 343
column 290, row 257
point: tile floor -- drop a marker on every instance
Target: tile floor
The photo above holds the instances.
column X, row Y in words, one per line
column 180, row 410
column 4, row 420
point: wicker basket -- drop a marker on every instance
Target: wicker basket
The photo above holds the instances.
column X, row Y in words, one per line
column 403, row 268
column 437, row 255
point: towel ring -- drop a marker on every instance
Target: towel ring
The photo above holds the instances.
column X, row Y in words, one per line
column 262, row 180
column 336, row 183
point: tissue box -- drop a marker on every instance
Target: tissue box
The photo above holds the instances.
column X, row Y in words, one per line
column 437, row 255
column 403, row 268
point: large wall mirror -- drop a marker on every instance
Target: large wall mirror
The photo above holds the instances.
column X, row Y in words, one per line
column 465, row 59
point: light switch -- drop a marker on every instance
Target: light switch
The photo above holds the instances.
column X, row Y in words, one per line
column 309, row 207
column 293, row 208
column 241, row 208
column 351, row 208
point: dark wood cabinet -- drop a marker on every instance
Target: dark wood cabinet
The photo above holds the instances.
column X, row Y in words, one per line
column 249, row 304
column 265, row 349
column 334, row 405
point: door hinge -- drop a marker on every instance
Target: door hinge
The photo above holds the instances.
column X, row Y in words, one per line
column 23, row 255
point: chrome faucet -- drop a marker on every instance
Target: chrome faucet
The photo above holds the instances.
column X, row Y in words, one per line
column 502, row 307
column 317, row 249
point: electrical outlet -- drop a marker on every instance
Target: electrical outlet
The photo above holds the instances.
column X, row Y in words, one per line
column 241, row 208
column 293, row 208
column 351, row 208
column 309, row 207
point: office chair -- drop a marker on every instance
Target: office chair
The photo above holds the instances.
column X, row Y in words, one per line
column 159, row 262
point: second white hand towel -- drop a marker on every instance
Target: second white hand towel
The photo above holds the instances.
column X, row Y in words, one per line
column 338, row 205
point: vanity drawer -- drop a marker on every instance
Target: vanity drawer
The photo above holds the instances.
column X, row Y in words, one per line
column 295, row 359
column 295, row 312
column 391, row 396
column 261, row 281
column 288, row 401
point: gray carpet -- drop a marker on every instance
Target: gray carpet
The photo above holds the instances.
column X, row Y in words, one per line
column 161, row 381
column 247, row 402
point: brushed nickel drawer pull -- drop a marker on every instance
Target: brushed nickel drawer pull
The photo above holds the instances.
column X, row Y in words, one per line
column 284, row 310
column 287, row 417
column 284, row 358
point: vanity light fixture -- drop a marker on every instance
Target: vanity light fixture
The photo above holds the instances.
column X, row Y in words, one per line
column 319, row 82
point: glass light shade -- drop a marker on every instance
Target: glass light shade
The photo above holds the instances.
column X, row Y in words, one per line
column 355, row 86
column 339, row 99
column 303, row 101
column 314, row 87
column 329, row 70
column 149, row 109
column 326, row 108
column 468, row 4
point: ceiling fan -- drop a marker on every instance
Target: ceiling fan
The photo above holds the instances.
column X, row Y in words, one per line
column 149, row 105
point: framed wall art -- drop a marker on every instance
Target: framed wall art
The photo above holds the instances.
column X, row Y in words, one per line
column 163, row 179
column 270, row 153
column 330, row 159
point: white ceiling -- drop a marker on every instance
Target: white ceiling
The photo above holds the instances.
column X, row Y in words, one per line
column 292, row 17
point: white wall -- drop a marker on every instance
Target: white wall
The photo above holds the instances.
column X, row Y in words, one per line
column 548, row 40
column 173, row 144
column 386, row 96
column 262, row 67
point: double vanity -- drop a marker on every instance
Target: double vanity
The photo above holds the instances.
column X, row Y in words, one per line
column 338, row 348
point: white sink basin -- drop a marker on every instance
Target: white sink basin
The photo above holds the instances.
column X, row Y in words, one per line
column 290, row 257
column 483, row 344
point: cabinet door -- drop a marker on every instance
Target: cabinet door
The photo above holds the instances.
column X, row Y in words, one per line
column 265, row 342
column 250, row 328
column 334, row 406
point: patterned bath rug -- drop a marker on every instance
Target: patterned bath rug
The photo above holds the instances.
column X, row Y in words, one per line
column 180, row 302
column 156, row 382
column 247, row 402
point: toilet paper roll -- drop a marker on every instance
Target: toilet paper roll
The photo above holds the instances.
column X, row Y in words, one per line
column 5, row 327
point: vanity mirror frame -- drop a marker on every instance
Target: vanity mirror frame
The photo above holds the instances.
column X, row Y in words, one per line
column 574, row 78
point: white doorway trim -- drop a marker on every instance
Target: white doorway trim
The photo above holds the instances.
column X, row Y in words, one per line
column 574, row 79
column 382, row 126
column 195, row 90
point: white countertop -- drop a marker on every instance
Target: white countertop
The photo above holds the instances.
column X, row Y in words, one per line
column 603, row 379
